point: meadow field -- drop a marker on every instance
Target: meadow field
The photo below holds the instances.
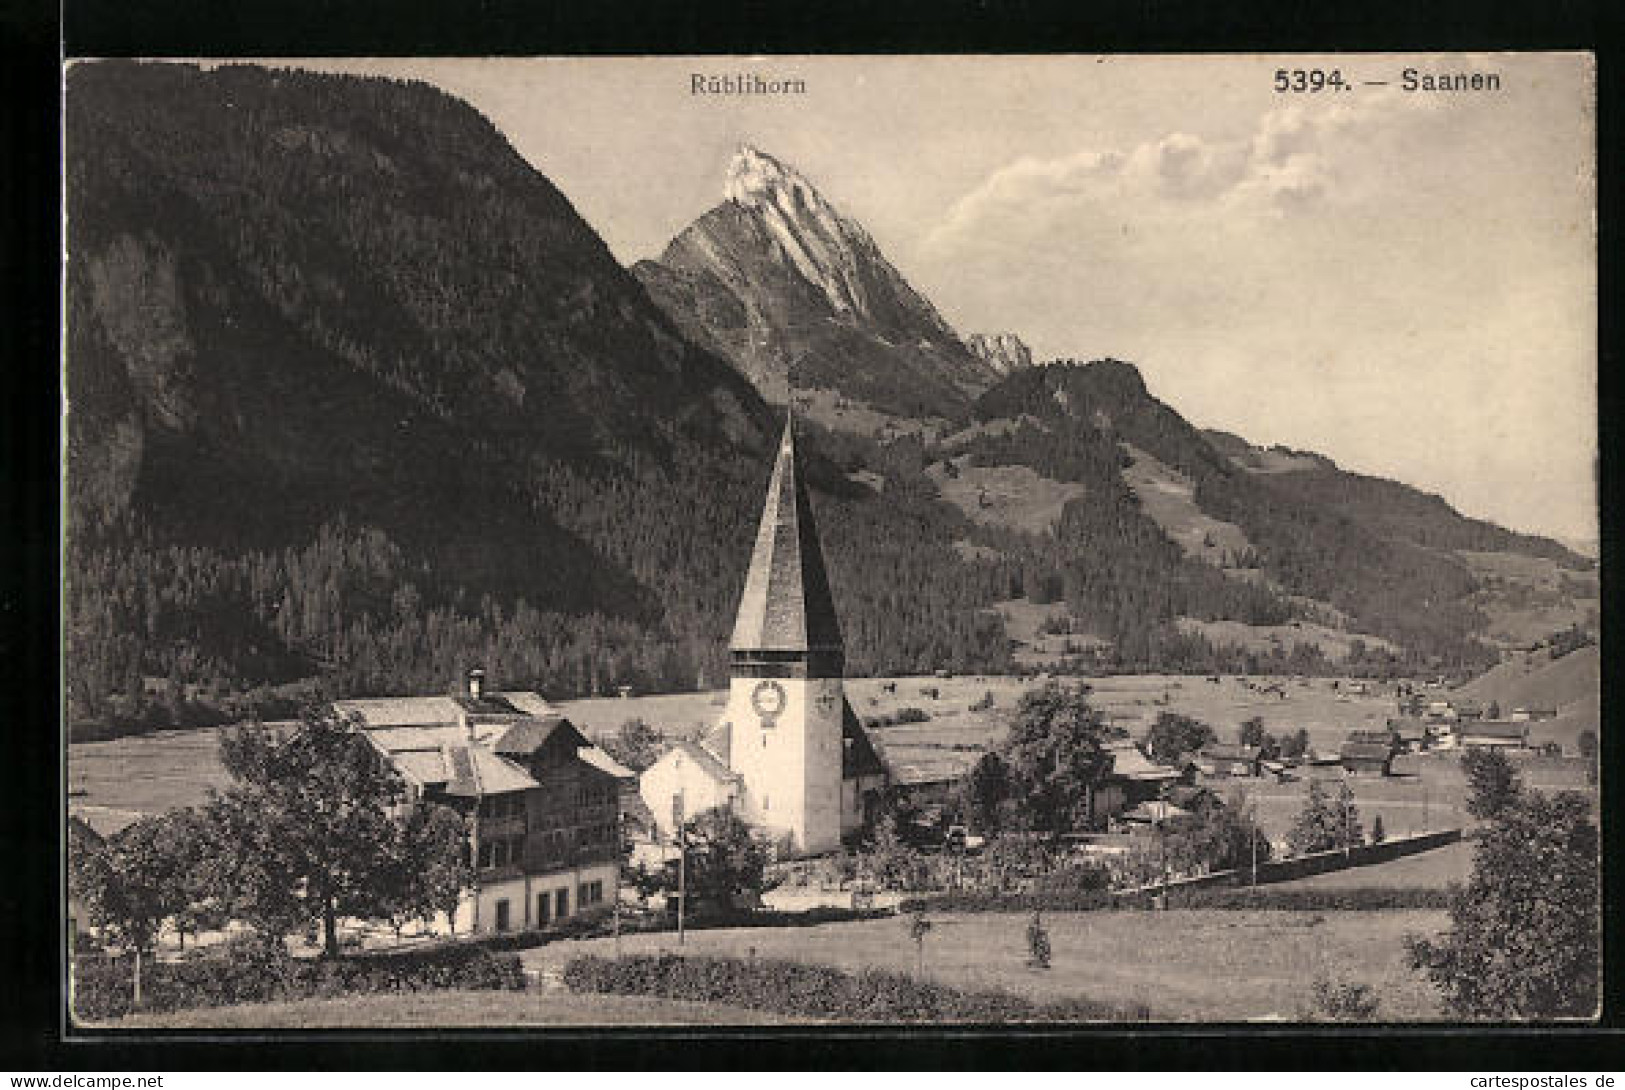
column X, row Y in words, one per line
column 454, row 1009
column 1185, row 965
column 126, row 777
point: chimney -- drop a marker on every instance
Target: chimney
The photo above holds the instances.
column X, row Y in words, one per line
column 476, row 683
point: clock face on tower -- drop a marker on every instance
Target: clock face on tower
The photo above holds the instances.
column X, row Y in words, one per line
column 768, row 700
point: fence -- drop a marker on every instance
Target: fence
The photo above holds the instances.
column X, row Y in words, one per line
column 1303, row 866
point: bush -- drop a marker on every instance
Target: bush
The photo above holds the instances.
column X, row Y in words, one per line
column 1087, row 900
column 1353, row 899
column 1075, row 878
column 817, row 991
column 912, row 714
column 1342, row 1001
column 253, row 971
column 1356, row 899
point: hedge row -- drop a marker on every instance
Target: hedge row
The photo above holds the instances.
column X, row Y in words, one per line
column 248, row 973
column 602, row 925
column 1083, row 900
column 1352, row 899
column 817, row 991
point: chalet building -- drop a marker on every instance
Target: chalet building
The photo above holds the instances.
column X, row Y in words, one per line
column 788, row 754
column 1531, row 715
column 1133, row 779
column 541, row 801
column 1221, row 760
column 1366, row 758
column 1495, row 734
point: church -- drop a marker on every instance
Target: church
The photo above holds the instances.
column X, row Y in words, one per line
column 788, row 754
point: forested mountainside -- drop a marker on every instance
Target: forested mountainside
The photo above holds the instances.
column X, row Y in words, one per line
column 356, row 399
column 1387, row 508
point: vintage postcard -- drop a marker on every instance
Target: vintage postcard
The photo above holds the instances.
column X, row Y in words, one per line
column 719, row 541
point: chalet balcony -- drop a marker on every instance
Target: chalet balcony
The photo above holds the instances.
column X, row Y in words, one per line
column 495, row 828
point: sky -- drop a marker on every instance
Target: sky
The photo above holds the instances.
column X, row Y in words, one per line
column 1405, row 282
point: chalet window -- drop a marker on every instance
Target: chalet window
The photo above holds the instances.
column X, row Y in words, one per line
column 561, row 903
column 502, row 916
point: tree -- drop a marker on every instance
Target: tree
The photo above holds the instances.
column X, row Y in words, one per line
column 983, row 791
column 1295, row 744
column 1492, row 783
column 307, row 830
column 426, row 867
column 636, row 745
column 1378, row 833
column 1056, row 756
column 1587, row 741
column 1251, row 732
column 887, row 859
column 130, row 886
column 1038, row 948
column 1174, row 736
column 918, row 928
column 1324, row 824
column 726, row 862
column 1216, row 835
column 1524, row 938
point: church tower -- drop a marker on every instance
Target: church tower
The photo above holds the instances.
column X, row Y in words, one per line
column 786, row 701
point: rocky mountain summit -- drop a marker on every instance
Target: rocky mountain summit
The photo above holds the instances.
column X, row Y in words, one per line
column 776, row 279
column 1004, row 352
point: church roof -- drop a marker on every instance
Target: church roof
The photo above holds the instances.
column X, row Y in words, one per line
column 786, row 605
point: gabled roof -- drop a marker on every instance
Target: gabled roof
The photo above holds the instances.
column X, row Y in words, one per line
column 477, row 771
column 1365, row 751
column 705, row 761
column 1222, row 751
column 605, row 763
column 719, row 739
column 530, row 734
column 786, row 604
column 858, row 754
column 434, row 711
column 1495, row 728
column 1129, row 763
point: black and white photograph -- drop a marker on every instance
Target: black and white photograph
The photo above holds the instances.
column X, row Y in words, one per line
column 725, row 541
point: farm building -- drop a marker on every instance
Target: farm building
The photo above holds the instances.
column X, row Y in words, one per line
column 1495, row 734
column 1413, row 734
column 541, row 801
column 1530, row 715
column 1221, row 760
column 1366, row 758
column 1133, row 779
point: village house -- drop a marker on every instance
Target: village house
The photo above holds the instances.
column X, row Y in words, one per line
column 1530, row 715
column 1495, row 734
column 542, row 803
column 1366, row 757
column 788, row 755
column 1222, row 760
column 1132, row 779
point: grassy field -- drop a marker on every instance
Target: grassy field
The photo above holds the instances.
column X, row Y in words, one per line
column 454, row 1009
column 130, row 776
column 1185, row 965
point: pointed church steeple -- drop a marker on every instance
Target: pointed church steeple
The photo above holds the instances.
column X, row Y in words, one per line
column 786, row 613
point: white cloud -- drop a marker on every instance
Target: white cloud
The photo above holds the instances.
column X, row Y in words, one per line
column 1321, row 277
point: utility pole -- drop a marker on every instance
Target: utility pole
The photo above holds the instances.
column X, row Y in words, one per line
column 1252, row 840
column 620, row 847
column 680, row 835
